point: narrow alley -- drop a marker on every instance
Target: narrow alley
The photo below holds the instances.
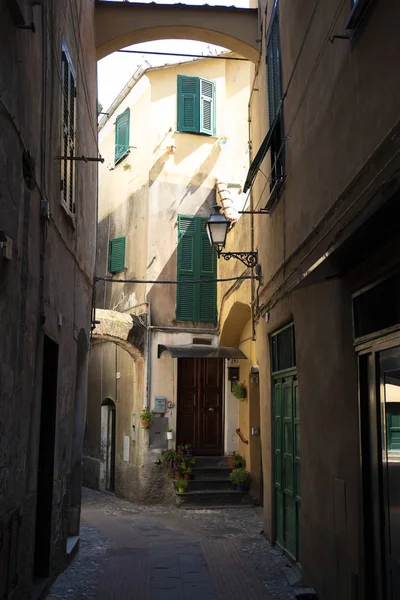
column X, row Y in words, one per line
column 162, row 553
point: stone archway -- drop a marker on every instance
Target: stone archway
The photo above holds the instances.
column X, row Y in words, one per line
column 121, row 328
column 121, row 24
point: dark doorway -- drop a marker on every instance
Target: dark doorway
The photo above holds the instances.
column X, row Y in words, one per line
column 44, row 494
column 380, row 426
column 200, row 405
column 109, row 428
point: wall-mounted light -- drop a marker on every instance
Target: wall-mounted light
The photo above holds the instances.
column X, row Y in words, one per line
column 217, row 229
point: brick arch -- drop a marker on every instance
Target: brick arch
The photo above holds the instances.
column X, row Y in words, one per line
column 121, row 24
column 121, row 328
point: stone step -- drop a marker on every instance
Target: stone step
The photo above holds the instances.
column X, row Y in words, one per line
column 214, row 497
column 213, row 506
column 211, row 473
column 209, row 484
column 211, row 461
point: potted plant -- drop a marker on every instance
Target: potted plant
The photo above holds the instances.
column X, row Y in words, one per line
column 239, row 390
column 186, row 471
column 170, row 459
column 188, row 449
column 241, row 479
column 181, row 485
column 170, row 434
column 146, row 418
column 239, row 461
column 230, row 458
column 181, row 449
column 157, row 461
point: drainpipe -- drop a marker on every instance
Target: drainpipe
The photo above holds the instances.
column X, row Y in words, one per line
column 253, row 283
column 147, row 397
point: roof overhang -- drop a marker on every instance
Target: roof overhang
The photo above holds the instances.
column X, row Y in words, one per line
column 200, row 351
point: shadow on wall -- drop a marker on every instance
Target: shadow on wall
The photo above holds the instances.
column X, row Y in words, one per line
column 186, row 145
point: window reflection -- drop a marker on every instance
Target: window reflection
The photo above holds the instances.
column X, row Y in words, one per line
column 392, row 452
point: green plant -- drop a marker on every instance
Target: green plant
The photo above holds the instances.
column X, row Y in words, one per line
column 239, row 390
column 147, row 418
column 181, row 484
column 241, row 477
column 185, row 468
column 157, row 461
column 170, row 430
column 169, row 457
column 181, row 449
column 238, row 460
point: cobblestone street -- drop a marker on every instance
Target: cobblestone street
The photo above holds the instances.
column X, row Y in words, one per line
column 164, row 553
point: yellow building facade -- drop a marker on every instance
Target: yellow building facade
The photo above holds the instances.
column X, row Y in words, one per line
column 157, row 189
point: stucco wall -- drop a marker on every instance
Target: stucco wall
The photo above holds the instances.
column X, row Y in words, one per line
column 46, row 287
column 340, row 118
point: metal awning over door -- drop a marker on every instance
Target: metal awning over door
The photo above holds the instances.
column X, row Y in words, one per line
column 200, row 351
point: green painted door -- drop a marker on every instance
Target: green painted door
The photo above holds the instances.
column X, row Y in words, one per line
column 287, row 463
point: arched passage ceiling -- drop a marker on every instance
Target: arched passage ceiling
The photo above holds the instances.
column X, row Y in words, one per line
column 120, row 328
column 121, row 24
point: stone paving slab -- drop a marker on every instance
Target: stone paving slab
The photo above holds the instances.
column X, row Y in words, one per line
column 159, row 553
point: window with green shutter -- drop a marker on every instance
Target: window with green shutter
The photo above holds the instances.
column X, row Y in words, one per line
column 274, row 80
column 122, row 135
column 196, row 261
column 196, row 105
column 116, row 255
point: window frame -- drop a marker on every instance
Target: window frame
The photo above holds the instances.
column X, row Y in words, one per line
column 357, row 11
column 276, row 145
column 200, row 238
column 111, row 244
column 118, row 157
column 198, row 127
column 68, row 142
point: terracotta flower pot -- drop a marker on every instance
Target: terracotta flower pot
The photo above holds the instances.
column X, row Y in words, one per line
column 177, row 475
column 231, row 463
column 187, row 476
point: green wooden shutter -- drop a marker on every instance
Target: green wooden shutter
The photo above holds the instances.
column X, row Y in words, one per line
column 122, row 135
column 196, row 261
column 273, row 70
column 186, row 271
column 208, row 270
column 393, row 430
column 207, row 107
column 117, row 255
column 188, row 104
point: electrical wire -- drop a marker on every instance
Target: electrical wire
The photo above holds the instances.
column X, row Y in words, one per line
column 182, row 54
column 173, row 282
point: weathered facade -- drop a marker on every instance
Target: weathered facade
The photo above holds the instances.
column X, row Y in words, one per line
column 47, row 252
column 157, row 189
column 325, row 114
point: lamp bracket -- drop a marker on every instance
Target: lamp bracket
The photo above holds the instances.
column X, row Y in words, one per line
column 249, row 259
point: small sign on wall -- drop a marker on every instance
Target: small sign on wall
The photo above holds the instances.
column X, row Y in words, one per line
column 160, row 404
column 126, row 448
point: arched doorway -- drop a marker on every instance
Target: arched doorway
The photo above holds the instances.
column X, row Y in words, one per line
column 108, row 436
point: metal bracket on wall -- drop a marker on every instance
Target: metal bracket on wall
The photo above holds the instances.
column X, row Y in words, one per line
column 84, row 158
column 249, row 259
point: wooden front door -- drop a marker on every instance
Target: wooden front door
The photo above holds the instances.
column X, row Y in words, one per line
column 200, row 405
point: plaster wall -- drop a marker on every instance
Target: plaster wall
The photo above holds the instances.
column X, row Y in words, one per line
column 143, row 194
column 46, row 286
column 341, row 122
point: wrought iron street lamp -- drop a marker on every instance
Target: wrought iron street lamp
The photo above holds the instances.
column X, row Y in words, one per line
column 217, row 228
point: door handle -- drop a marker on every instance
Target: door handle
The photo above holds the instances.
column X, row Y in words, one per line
column 211, row 409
